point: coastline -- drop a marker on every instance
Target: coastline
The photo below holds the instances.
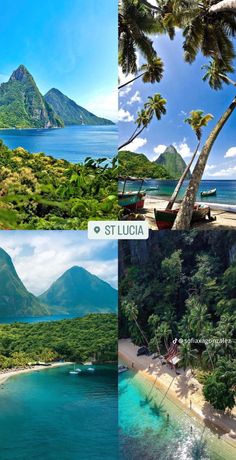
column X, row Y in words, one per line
column 225, row 214
column 5, row 375
column 190, row 401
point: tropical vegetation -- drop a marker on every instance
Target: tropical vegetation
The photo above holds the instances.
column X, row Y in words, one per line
column 80, row 339
column 40, row 192
column 183, row 287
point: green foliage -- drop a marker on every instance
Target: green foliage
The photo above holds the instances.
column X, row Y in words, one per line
column 93, row 336
column 218, row 393
column 138, row 165
column 70, row 112
column 22, row 105
column 172, row 161
column 40, row 192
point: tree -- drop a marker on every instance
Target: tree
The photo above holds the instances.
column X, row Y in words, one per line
column 164, row 332
column 224, row 5
column 197, row 120
column 130, row 310
column 154, row 106
column 151, row 72
column 218, row 393
column 188, row 354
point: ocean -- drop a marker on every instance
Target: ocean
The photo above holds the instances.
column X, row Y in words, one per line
column 226, row 189
column 72, row 143
column 145, row 432
column 53, row 415
column 34, row 319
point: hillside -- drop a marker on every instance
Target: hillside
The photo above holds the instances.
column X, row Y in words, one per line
column 70, row 112
column 15, row 300
column 79, row 292
column 173, row 162
column 23, row 106
column 138, row 165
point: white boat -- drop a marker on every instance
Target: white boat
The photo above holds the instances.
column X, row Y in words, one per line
column 74, row 372
column 78, row 370
column 90, row 369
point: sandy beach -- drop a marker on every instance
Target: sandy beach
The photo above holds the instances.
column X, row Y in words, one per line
column 185, row 390
column 225, row 214
column 6, row 374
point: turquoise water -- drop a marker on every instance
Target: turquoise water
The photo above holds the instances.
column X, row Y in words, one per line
column 226, row 189
column 52, row 415
column 35, row 319
column 146, row 432
column 72, row 143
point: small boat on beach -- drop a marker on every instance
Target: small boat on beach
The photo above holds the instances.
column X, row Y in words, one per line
column 131, row 200
column 209, row 192
column 165, row 218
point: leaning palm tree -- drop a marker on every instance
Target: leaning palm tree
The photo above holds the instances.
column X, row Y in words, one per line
column 154, row 106
column 188, row 354
column 151, row 72
column 216, row 74
column 164, row 332
column 197, row 120
column 130, row 310
column 224, row 5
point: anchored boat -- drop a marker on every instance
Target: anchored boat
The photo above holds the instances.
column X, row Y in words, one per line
column 209, row 192
column 132, row 200
column 165, row 218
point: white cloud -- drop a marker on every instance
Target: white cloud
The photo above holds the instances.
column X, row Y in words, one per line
column 227, row 172
column 183, row 149
column 41, row 257
column 159, row 148
column 230, row 153
column 135, row 98
column 125, row 115
column 137, row 144
column 209, row 167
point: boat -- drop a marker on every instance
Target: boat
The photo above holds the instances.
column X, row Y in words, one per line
column 209, row 192
column 74, row 372
column 90, row 369
column 122, row 368
column 132, row 200
column 165, row 218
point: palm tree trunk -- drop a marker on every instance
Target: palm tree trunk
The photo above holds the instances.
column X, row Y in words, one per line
column 142, row 333
column 182, row 179
column 131, row 81
column 132, row 138
column 225, row 77
column 224, row 5
column 184, row 216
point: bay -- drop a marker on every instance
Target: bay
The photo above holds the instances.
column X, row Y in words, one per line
column 53, row 415
column 72, row 143
column 34, row 319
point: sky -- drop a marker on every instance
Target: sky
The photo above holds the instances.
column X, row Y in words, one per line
column 66, row 44
column 184, row 90
column 40, row 257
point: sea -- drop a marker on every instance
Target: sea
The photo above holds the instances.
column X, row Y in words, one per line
column 34, row 319
column 225, row 189
column 72, row 143
column 54, row 415
column 152, row 427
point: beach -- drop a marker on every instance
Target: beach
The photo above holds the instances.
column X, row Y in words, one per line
column 184, row 389
column 7, row 373
column 225, row 214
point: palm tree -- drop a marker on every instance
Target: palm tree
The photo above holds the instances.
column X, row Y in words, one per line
column 188, row 355
column 216, row 74
column 154, row 106
column 164, row 332
column 197, row 120
column 131, row 312
column 224, row 5
column 151, row 72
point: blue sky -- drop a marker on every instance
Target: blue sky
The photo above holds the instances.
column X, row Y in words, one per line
column 67, row 44
column 40, row 257
column 184, row 90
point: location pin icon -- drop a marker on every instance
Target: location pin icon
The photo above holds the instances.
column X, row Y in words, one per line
column 97, row 229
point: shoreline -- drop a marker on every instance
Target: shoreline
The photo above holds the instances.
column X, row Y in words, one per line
column 5, row 375
column 225, row 213
column 191, row 402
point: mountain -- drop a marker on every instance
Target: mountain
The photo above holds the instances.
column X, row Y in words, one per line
column 23, row 106
column 79, row 292
column 173, row 162
column 138, row 165
column 15, row 300
column 70, row 112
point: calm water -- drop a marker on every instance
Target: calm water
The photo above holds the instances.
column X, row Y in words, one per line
column 52, row 415
column 35, row 319
column 226, row 189
column 145, row 432
column 72, row 143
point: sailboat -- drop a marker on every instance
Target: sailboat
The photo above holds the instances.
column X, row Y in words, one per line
column 74, row 372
